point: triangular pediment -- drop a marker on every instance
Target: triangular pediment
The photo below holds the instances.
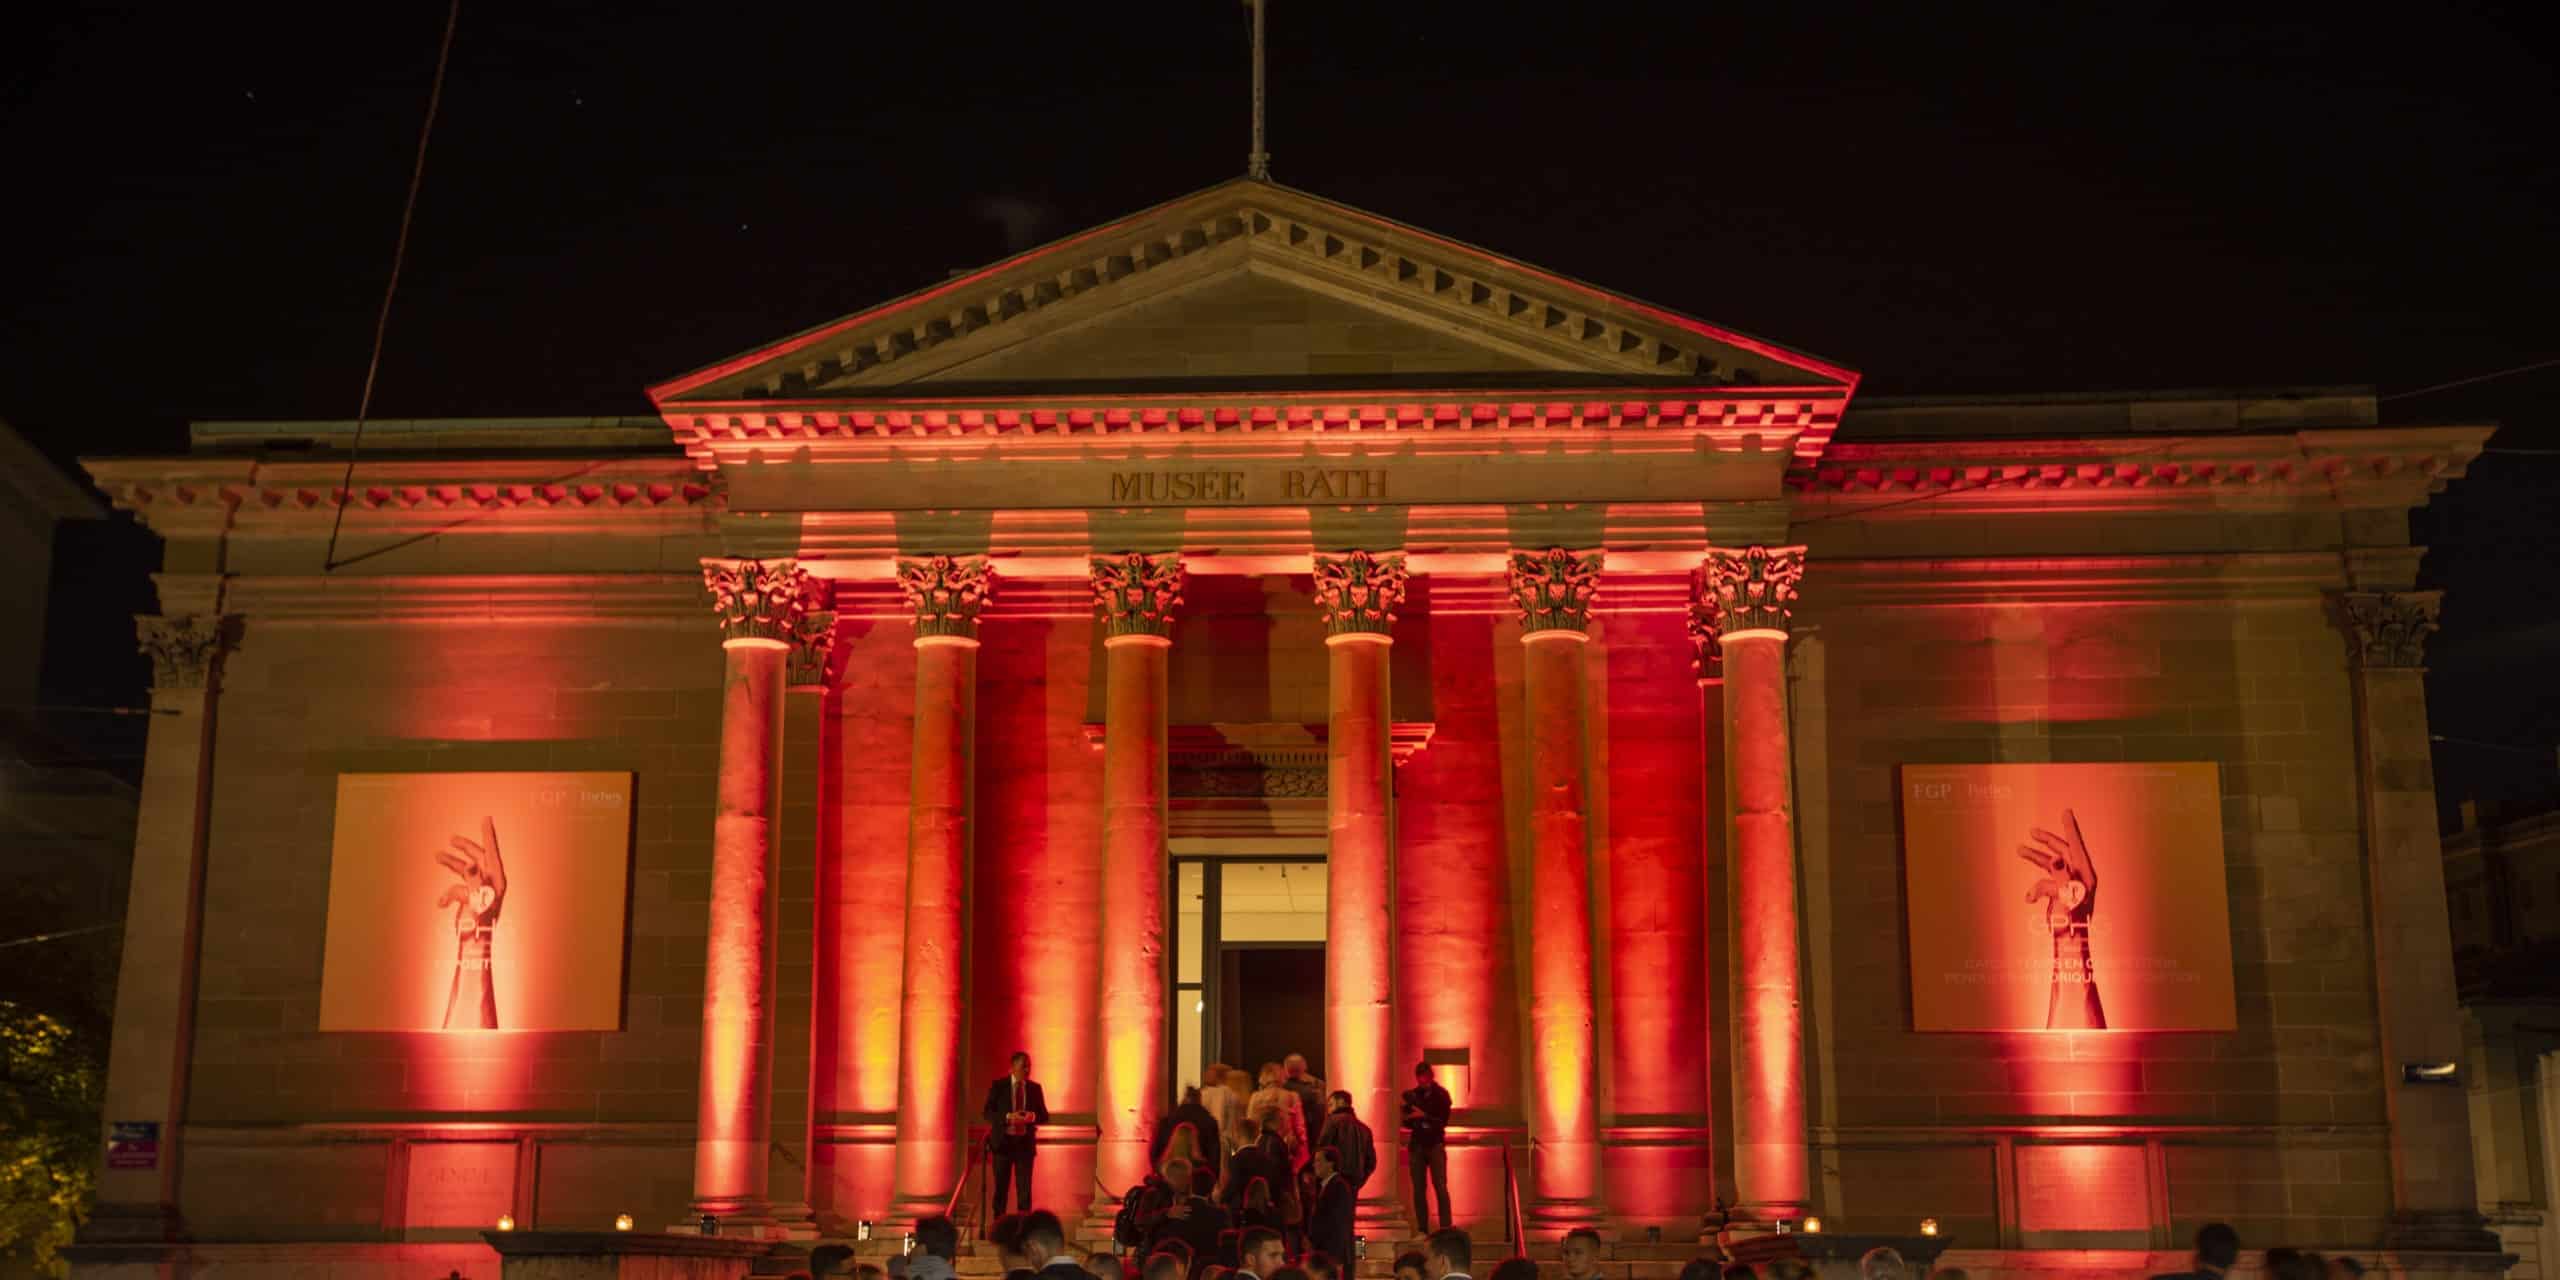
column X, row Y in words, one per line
column 1248, row 285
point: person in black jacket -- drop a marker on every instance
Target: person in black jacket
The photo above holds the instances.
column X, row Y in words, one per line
column 1352, row 1141
column 1426, row 1142
column 1329, row 1222
column 1250, row 1160
column 1014, row 1112
column 1190, row 1111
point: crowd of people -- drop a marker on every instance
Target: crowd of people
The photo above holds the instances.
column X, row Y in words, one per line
column 1257, row 1177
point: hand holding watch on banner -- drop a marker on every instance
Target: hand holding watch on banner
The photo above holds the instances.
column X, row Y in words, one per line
column 476, row 901
column 2069, row 892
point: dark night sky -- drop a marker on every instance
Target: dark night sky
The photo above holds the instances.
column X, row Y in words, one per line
column 202, row 202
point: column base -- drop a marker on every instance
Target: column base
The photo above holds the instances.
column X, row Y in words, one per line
column 1382, row 1219
column 1762, row 1218
column 2441, row 1232
column 910, row 1210
column 1552, row 1218
column 1118, row 1164
column 797, row 1221
column 131, row 1223
column 741, row 1218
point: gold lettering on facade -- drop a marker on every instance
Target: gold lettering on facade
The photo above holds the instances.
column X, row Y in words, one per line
column 1310, row 484
column 1297, row 485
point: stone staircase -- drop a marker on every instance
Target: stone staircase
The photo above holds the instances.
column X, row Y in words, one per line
column 1625, row 1260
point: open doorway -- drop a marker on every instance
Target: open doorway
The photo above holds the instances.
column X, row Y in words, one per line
column 1271, row 1003
column 1248, row 963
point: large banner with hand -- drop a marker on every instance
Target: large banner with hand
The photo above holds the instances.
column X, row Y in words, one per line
column 2065, row 897
column 477, row 902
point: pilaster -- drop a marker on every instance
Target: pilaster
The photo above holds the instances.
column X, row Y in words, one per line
column 2435, row 1207
column 153, row 1036
column 800, row 841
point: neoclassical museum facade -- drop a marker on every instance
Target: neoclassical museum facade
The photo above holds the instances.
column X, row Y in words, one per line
column 1259, row 626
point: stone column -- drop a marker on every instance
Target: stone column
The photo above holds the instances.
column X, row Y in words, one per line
column 1134, row 599
column 799, row 842
column 761, row 605
column 946, row 595
column 156, row 992
column 2435, row 1206
column 1360, row 594
column 1706, row 661
column 1755, row 591
column 1553, row 589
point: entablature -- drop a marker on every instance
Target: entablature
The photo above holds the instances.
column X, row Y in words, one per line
column 1793, row 423
column 2342, row 469
column 197, row 495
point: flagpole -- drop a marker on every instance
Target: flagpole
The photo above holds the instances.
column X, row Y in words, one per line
column 1257, row 163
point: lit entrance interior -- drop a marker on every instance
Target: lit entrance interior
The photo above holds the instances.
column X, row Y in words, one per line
column 1248, row 962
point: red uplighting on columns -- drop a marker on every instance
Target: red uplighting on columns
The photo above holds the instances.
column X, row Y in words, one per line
column 1360, row 593
column 1755, row 590
column 1553, row 590
column 1135, row 597
column 761, row 607
column 946, row 595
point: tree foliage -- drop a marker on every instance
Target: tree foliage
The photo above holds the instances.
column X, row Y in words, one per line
column 50, row 1085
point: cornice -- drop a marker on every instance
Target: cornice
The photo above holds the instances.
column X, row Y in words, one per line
column 1632, row 583
column 1797, row 421
column 191, row 494
column 2357, row 468
column 600, row 599
column 2260, row 577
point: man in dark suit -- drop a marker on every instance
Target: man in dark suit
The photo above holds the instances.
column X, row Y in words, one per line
column 1014, row 1113
column 1329, row 1222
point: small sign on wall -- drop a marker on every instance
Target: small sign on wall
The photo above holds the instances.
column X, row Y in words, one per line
column 460, row 1184
column 133, row 1144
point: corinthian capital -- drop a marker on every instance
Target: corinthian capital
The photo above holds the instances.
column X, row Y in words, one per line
column 1360, row 592
column 1553, row 588
column 2389, row 628
column 761, row 599
column 1706, row 628
column 813, row 641
column 1754, row 588
column 182, row 649
column 946, row 593
column 1135, row 595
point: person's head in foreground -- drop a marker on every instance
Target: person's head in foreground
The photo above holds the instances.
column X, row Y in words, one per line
column 1581, row 1253
column 1447, row 1252
column 1260, row 1253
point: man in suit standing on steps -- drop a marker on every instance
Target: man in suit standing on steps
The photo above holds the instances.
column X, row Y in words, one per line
column 1014, row 1112
column 1329, row 1219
